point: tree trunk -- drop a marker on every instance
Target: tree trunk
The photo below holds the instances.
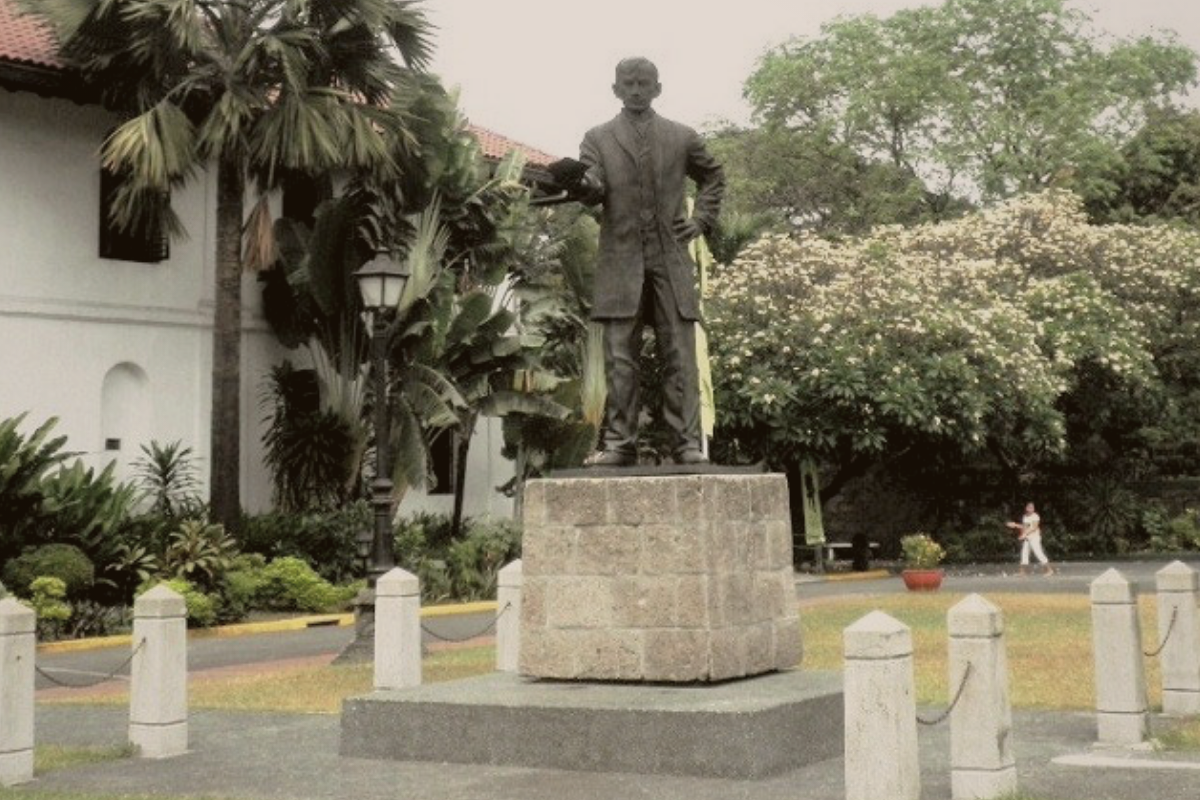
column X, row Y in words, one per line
column 461, row 449
column 225, row 423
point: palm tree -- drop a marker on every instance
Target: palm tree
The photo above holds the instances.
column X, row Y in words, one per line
column 260, row 90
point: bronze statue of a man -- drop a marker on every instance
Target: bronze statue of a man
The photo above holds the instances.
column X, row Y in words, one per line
column 637, row 164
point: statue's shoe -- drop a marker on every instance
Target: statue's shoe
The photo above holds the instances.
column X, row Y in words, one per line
column 610, row 458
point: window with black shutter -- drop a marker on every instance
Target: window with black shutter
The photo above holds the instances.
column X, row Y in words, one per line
column 146, row 245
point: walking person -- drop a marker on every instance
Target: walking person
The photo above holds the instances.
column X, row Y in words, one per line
column 1030, row 536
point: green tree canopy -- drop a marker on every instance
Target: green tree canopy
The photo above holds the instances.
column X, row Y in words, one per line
column 980, row 99
column 1158, row 176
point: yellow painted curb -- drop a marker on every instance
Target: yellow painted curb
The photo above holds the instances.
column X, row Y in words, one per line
column 250, row 628
column 273, row 626
column 80, row 645
column 869, row 575
column 459, row 608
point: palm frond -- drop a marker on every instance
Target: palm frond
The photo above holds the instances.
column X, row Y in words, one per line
column 300, row 131
column 155, row 149
column 411, row 31
column 410, row 452
column 425, row 254
column 259, row 252
column 227, row 126
column 501, row 403
column 64, row 16
column 438, row 382
column 594, row 391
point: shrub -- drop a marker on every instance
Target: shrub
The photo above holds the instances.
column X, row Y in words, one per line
column 313, row 453
column 241, row 586
column 168, row 475
column 85, row 506
column 325, row 539
column 422, row 534
column 201, row 607
column 475, row 562
column 466, row 569
column 46, row 599
column 1181, row 532
column 24, row 462
column 290, row 584
column 199, row 552
column 988, row 541
column 62, row 561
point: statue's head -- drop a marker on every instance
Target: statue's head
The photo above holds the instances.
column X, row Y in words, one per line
column 636, row 84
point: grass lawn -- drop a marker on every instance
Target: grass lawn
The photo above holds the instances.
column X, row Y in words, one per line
column 1181, row 735
column 307, row 689
column 1048, row 638
column 50, row 757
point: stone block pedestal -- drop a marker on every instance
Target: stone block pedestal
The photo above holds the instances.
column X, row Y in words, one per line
column 752, row 728
column 674, row 578
column 642, row 598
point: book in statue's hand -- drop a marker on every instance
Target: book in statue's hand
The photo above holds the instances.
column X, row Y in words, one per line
column 567, row 183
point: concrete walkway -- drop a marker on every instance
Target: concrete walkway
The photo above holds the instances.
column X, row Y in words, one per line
column 247, row 755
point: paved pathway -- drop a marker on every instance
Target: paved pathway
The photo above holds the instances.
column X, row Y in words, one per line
column 243, row 755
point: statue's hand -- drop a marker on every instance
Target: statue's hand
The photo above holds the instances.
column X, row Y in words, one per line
column 590, row 189
column 686, row 229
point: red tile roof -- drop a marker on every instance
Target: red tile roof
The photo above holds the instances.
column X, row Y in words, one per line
column 26, row 39
column 495, row 147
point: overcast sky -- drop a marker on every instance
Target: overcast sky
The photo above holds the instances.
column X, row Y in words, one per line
column 540, row 71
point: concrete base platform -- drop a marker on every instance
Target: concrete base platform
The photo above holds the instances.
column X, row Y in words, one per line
column 751, row 728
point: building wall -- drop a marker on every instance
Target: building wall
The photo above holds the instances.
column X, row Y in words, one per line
column 122, row 350
column 114, row 349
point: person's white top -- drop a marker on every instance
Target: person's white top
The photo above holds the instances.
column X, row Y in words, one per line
column 1032, row 524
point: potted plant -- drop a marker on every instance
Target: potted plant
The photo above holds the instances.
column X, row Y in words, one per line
column 921, row 558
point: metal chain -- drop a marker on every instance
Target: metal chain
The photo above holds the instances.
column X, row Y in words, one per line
column 1167, row 636
column 105, row 679
column 468, row 638
column 957, row 696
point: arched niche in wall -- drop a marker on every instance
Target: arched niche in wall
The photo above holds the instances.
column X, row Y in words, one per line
column 125, row 415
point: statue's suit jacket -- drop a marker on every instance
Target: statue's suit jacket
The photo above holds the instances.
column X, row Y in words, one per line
column 610, row 151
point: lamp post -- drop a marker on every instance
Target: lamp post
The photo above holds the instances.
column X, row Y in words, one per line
column 381, row 281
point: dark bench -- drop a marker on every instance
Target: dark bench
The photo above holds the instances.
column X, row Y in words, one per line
column 836, row 551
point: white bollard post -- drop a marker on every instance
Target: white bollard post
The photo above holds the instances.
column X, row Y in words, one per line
column 397, row 630
column 981, row 758
column 1122, row 710
column 18, row 643
column 881, row 712
column 1179, row 637
column 508, row 622
column 158, row 711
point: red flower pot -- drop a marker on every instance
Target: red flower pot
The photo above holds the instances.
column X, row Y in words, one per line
column 922, row 580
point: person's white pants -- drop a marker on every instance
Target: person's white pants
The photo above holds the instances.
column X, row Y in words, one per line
column 1033, row 542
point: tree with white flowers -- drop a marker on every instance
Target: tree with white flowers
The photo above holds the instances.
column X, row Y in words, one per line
column 960, row 338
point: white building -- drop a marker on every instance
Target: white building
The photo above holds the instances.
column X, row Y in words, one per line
column 111, row 336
